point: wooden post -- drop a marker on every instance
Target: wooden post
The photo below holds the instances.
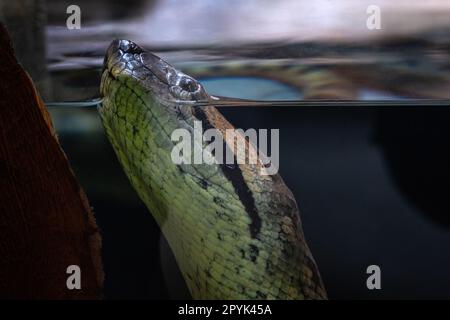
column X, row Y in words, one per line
column 46, row 223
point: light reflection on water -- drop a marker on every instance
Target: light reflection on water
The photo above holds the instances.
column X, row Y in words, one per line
column 412, row 46
column 374, row 75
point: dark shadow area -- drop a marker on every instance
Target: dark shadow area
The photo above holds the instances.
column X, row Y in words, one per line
column 355, row 211
column 416, row 145
column 131, row 238
column 368, row 184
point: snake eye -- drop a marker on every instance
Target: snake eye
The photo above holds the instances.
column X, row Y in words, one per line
column 188, row 84
column 186, row 88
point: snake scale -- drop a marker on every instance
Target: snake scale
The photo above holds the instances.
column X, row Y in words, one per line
column 235, row 233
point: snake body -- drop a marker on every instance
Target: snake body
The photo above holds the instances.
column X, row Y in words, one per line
column 235, row 233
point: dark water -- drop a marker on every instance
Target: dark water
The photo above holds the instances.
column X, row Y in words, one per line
column 371, row 186
column 371, row 182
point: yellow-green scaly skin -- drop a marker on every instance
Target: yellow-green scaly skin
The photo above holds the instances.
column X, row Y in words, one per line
column 223, row 251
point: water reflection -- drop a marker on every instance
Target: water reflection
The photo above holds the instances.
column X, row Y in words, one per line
column 408, row 57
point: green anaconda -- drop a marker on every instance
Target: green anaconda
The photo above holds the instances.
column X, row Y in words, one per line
column 235, row 233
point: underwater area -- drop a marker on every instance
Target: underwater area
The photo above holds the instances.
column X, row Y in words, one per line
column 371, row 180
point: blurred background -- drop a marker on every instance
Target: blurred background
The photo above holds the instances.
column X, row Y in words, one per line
column 410, row 46
column 371, row 183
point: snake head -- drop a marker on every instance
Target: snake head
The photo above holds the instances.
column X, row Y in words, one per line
column 126, row 57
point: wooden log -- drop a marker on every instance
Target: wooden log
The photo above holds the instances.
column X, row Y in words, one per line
column 46, row 223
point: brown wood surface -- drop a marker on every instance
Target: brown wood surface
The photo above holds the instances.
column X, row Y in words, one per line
column 46, row 223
